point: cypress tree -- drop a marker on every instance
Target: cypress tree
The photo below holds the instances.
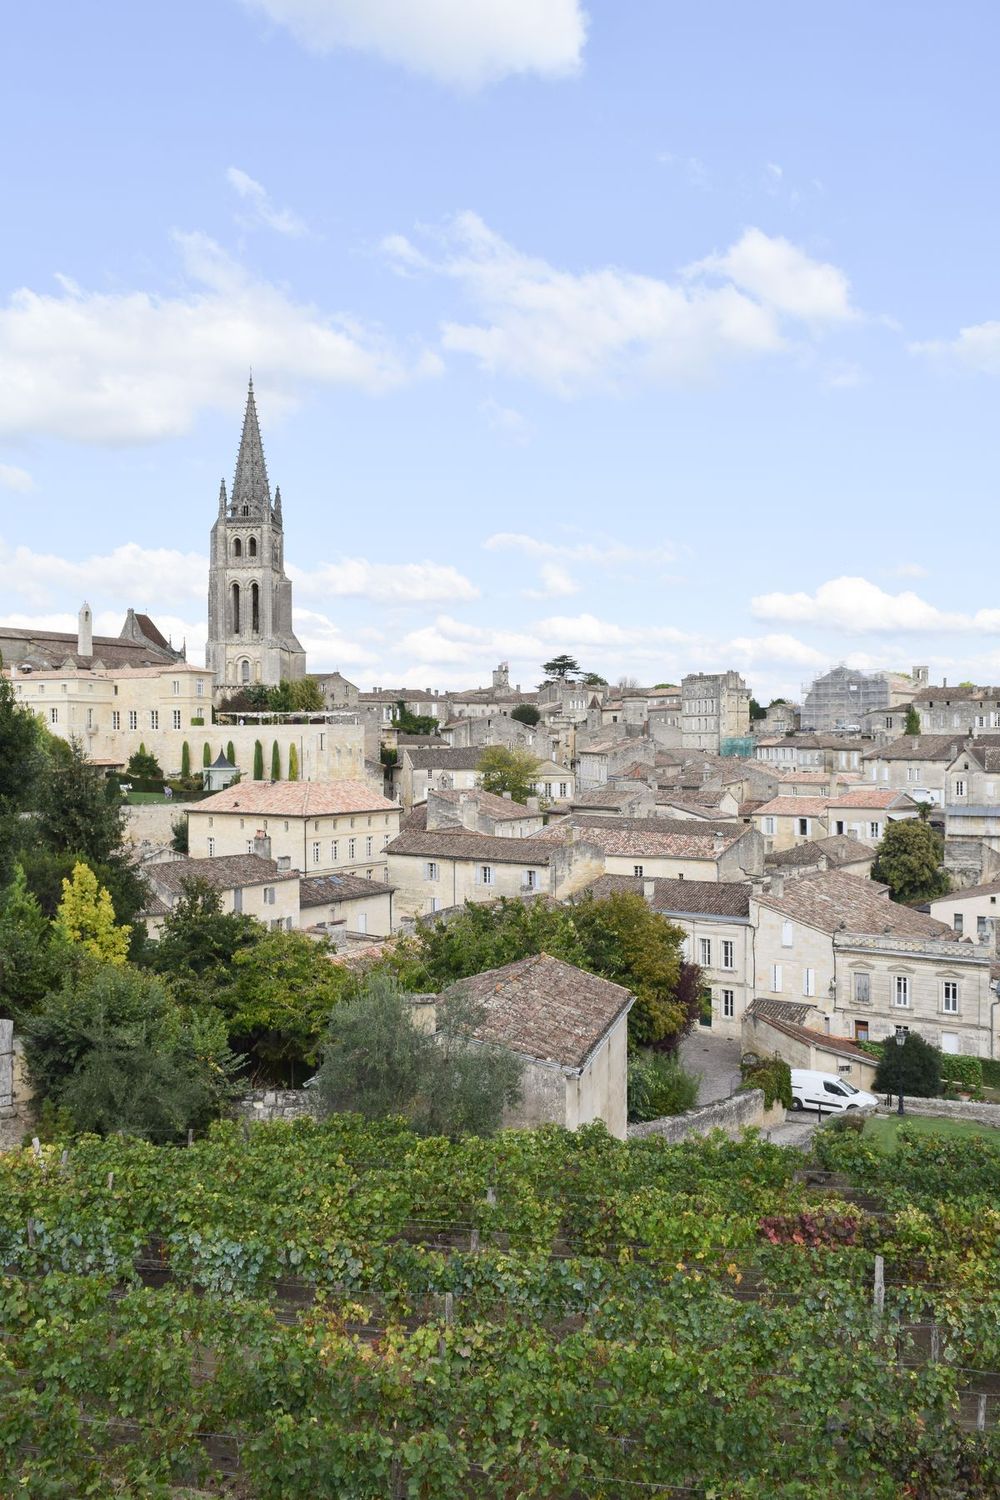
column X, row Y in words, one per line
column 206, row 754
column 293, row 763
column 275, row 762
column 258, row 761
column 231, row 754
column 185, row 760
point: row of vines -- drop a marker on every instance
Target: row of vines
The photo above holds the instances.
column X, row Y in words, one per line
column 346, row 1310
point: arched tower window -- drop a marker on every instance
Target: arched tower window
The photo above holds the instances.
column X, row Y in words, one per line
column 255, row 608
column 246, row 510
column 235, row 609
column 244, row 671
column 252, row 548
column 237, row 548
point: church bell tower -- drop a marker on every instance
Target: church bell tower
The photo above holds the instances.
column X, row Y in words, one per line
column 250, row 635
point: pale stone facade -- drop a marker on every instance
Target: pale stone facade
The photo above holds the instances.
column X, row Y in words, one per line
column 715, row 707
column 973, row 913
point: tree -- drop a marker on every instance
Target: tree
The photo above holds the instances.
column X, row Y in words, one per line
column 86, row 917
column 485, row 937
column 293, row 762
column 28, row 965
column 258, row 761
column 912, row 725
column 179, row 835
column 206, row 755
column 916, row 1065
column 378, row 1063
column 561, row 667
column 593, row 679
column 756, row 711
column 525, row 713
column 21, row 764
column 275, row 762
column 113, row 1047
column 625, row 941
column 503, row 770
column 410, row 723
column 908, row 861
column 199, row 940
column 626, row 684
column 230, row 753
column 144, row 766
column 185, row 761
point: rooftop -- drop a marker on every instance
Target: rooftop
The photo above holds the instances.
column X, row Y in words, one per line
column 226, row 872
column 833, row 901
column 544, row 1008
column 919, row 747
column 710, row 898
column 319, row 890
column 839, row 849
column 296, row 799
column 676, row 838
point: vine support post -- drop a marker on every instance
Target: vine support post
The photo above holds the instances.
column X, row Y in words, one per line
column 981, row 1412
column 879, row 1297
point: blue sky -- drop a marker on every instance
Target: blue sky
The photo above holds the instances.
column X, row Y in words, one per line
column 668, row 335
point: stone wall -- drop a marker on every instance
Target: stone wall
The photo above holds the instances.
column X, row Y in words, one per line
column 950, row 1109
column 731, row 1115
column 262, row 1105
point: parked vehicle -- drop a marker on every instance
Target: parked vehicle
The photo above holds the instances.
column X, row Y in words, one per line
column 811, row 1090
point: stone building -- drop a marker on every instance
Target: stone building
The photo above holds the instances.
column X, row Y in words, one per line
column 140, row 644
column 253, row 885
column 665, row 848
column 715, row 708
column 250, row 633
column 841, row 698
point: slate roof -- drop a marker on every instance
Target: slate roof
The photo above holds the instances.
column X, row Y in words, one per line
column 988, row 888
column 607, row 796
column 296, row 799
column 544, row 1008
column 226, row 872
column 320, row 890
column 501, row 809
column 709, row 898
column 458, row 843
column 988, row 757
column 53, row 648
column 832, row 900
column 920, row 747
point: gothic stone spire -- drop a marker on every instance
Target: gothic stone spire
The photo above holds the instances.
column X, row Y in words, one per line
column 276, row 514
column 251, row 491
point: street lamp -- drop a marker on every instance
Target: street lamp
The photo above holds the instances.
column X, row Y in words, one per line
column 902, row 1032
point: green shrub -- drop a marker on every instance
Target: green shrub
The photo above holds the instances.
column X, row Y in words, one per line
column 991, row 1072
column 142, row 764
column 658, row 1085
column 851, row 1119
column 915, row 1065
column 965, row 1071
column 774, row 1076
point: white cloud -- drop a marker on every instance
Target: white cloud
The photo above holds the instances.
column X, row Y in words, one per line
column 976, row 348
column 13, row 478
column 385, row 583
column 260, row 209
column 909, row 570
column 166, row 576
column 554, row 583
column 856, row 605
column 781, row 276
column 134, row 367
column 506, row 420
column 568, row 330
column 461, row 42
column 605, row 550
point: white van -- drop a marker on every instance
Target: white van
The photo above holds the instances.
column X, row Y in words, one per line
column 826, row 1091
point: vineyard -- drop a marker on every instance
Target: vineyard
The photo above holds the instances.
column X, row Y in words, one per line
column 345, row 1311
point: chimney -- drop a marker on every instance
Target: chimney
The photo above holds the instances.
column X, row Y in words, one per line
column 648, row 889
column 777, row 885
column 532, row 804
column 507, row 797
column 262, row 844
column 85, row 631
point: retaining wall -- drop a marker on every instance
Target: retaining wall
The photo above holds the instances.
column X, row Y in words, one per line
column 277, row 1104
column 731, row 1115
column 949, row 1109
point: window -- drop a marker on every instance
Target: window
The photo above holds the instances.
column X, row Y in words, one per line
column 530, row 881
column 803, row 827
column 237, row 900
column 787, row 934
column 776, row 978
column 432, row 871
column 211, row 847
column 728, row 954
column 637, row 871
column 769, row 825
column 982, row 928
column 53, row 716
column 705, row 952
column 177, row 718
column 316, row 853
column 863, row 988
column 949, row 996
column 116, row 719
column 369, row 846
column 199, row 686
column 874, row 830
column 90, row 716
column 901, row 990
column 729, row 1004
column 352, row 845
column 486, row 874
column 333, row 851
column 958, row 923
column 362, row 922
column 809, row 982
column 133, row 718
column 564, row 788
column 959, row 787
column 249, row 846
column 175, row 688
column 154, row 718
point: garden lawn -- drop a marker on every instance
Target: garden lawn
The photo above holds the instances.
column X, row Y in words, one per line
column 138, row 799
column 883, row 1129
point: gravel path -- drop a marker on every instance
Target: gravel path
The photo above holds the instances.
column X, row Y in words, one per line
column 716, row 1059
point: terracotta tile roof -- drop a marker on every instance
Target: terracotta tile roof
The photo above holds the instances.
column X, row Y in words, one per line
column 321, row 890
column 501, row 809
column 458, row 844
column 544, row 1008
column 872, row 797
column 710, row 898
column 839, row 848
column 226, row 872
column 676, row 838
column 839, row 1044
column 988, row 888
column 296, row 799
column 988, row 757
column 793, row 807
column 942, row 747
column 444, row 758
column 832, row 900
column 607, row 796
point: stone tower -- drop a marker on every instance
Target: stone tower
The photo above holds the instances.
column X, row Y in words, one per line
column 250, row 635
